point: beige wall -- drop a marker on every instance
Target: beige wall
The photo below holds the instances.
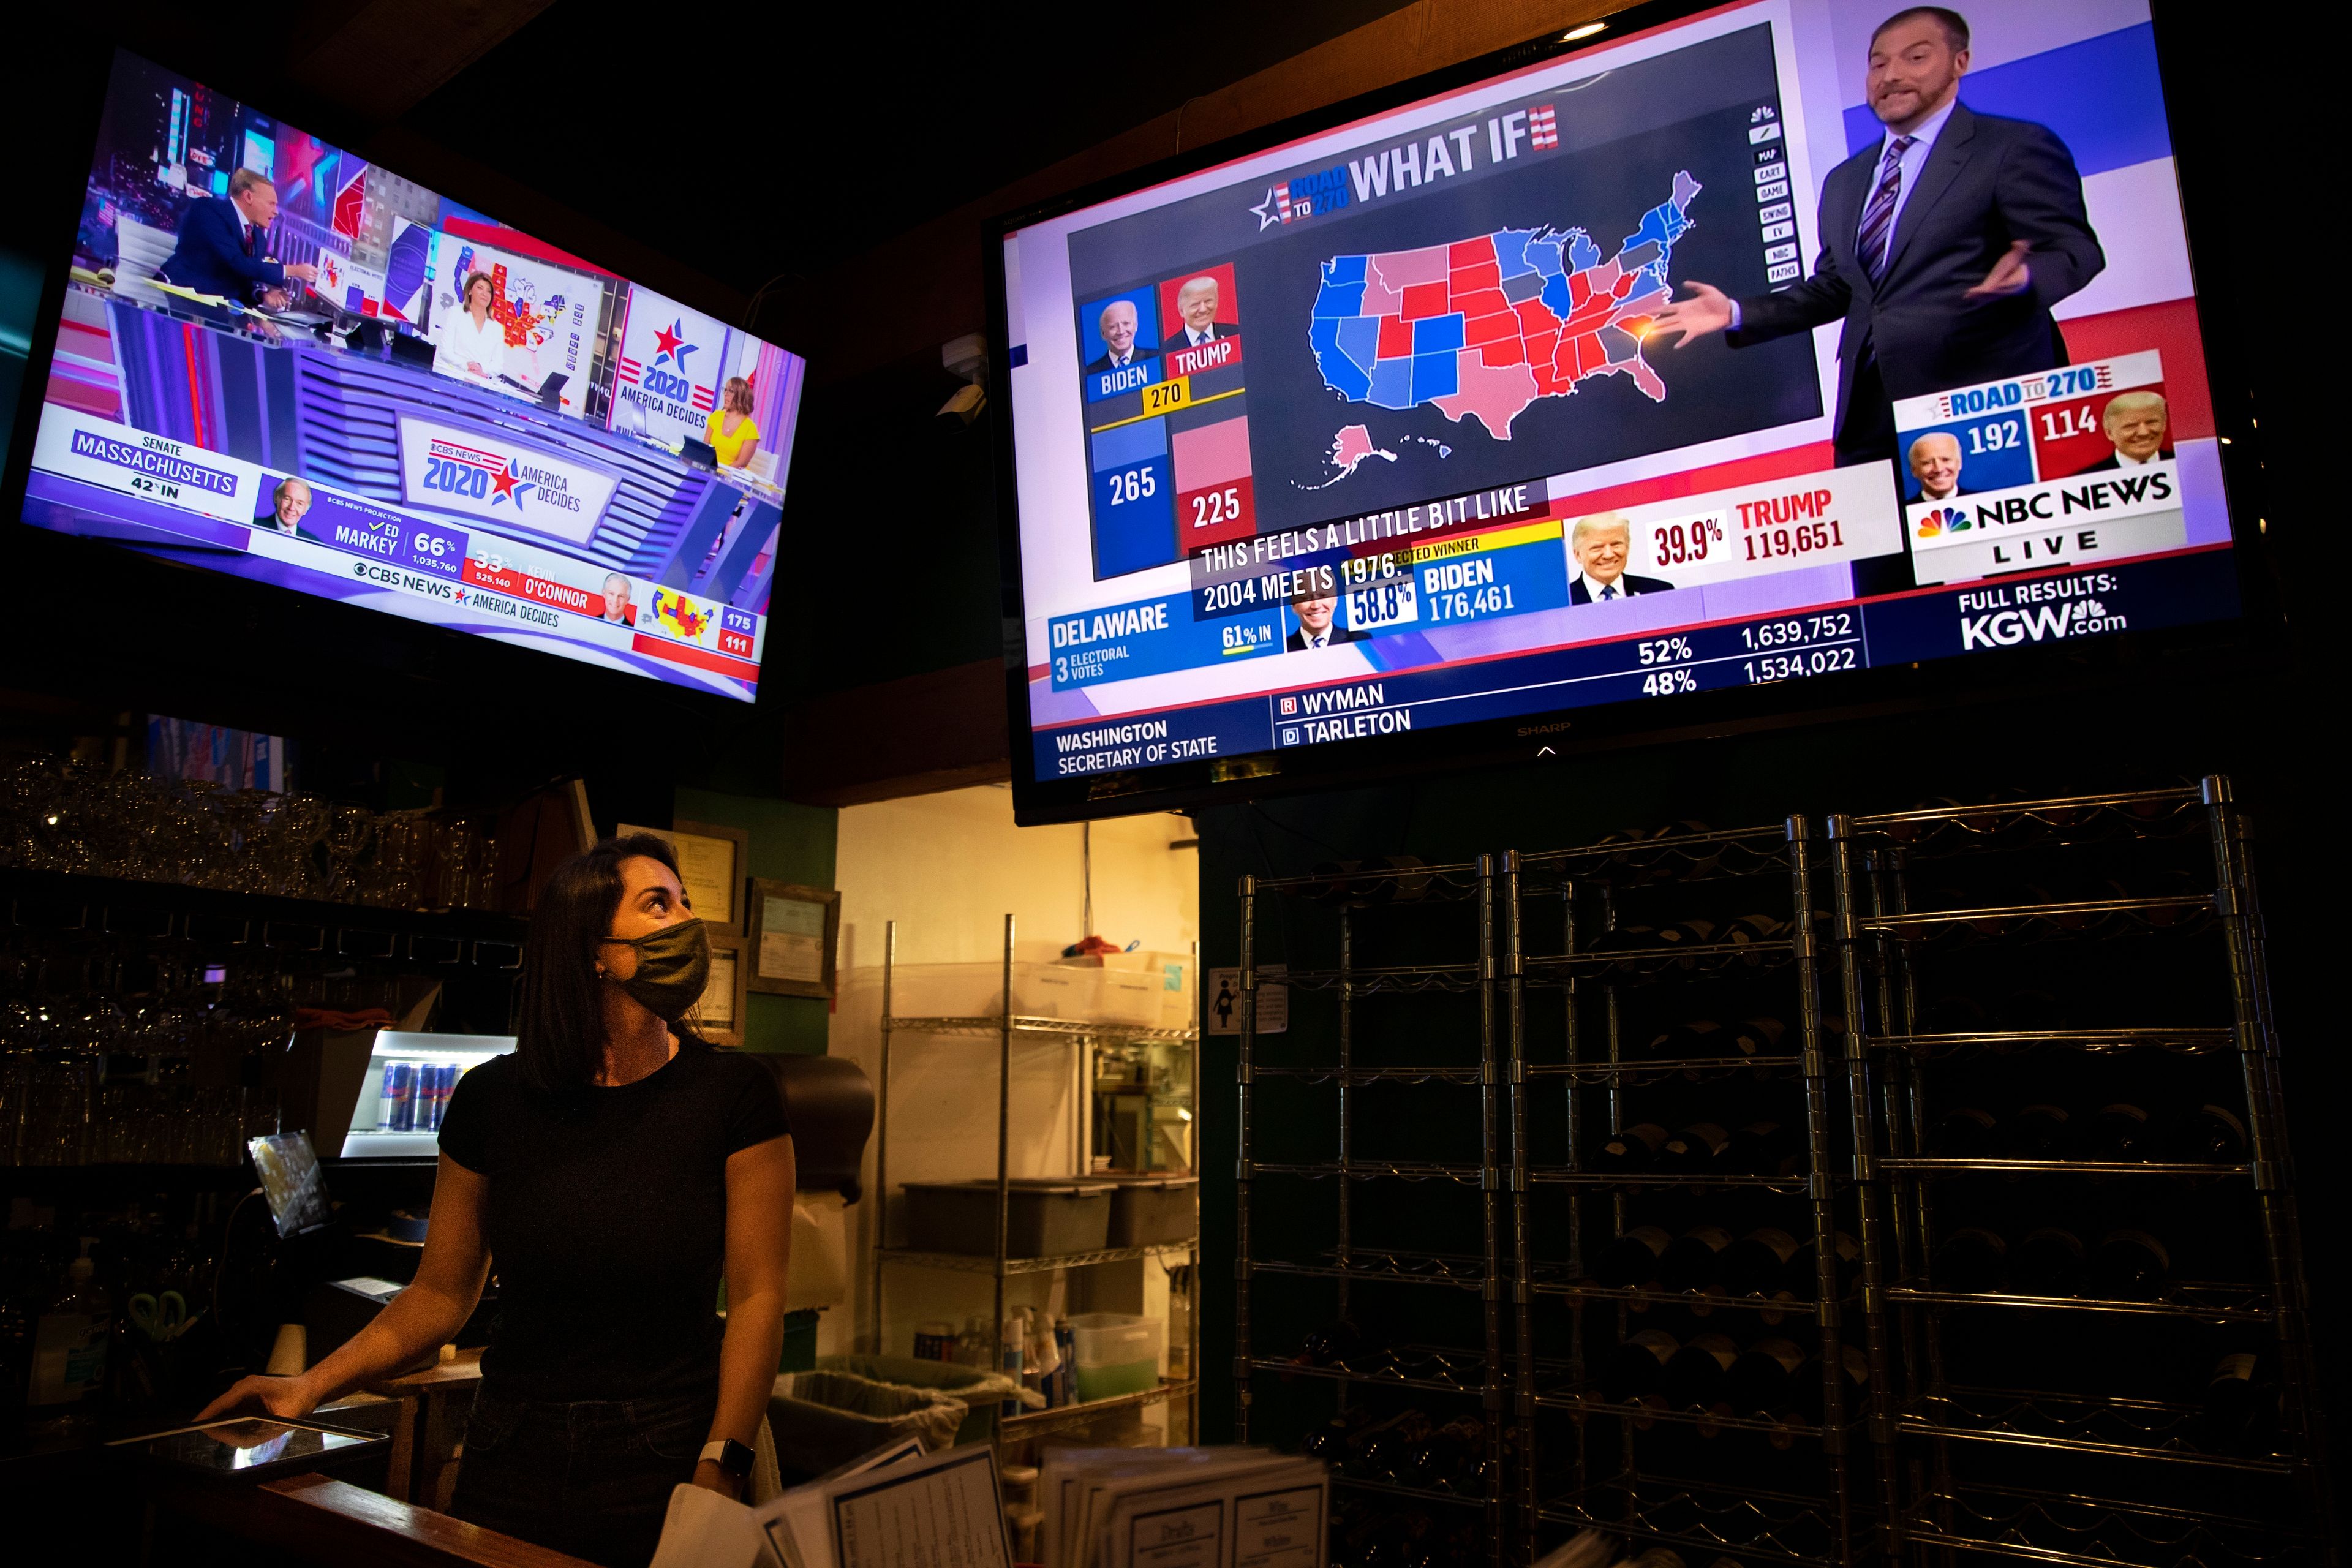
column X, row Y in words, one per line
column 949, row 867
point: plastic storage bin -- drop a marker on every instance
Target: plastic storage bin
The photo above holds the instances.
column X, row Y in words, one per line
column 1130, row 997
column 1171, row 980
column 977, row 990
column 1117, row 1354
column 1148, row 1210
column 1045, row 1218
column 1142, row 990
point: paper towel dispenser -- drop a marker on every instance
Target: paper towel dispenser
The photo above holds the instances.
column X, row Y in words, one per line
column 829, row 1102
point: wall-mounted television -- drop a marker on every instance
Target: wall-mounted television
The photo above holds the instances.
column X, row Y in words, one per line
column 279, row 360
column 1694, row 353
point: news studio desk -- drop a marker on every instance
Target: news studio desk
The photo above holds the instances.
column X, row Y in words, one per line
column 337, row 417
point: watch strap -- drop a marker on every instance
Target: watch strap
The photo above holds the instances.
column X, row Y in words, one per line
column 729, row 1456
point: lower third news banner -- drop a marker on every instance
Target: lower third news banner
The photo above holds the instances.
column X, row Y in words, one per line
column 2037, row 608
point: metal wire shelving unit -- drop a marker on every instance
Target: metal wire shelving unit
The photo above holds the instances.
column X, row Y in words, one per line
column 1814, row 1514
column 1081, row 1036
column 2057, row 1472
column 1359, row 1268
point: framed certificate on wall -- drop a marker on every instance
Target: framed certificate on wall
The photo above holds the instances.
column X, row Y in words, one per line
column 721, row 1011
column 712, row 862
column 792, row 932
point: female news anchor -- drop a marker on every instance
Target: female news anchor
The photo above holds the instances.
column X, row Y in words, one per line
column 473, row 346
column 610, row 1169
column 734, row 435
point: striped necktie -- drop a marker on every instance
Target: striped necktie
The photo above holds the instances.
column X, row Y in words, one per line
column 1878, row 217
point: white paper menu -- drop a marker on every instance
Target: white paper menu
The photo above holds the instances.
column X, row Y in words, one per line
column 941, row 1510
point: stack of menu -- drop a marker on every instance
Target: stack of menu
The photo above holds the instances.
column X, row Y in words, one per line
column 1183, row 1507
column 895, row 1508
column 1104, row 1508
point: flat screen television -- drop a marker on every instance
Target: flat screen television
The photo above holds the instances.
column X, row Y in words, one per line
column 279, row 360
column 1400, row 420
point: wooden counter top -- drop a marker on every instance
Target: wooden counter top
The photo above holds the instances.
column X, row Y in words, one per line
column 465, row 1367
column 315, row 1519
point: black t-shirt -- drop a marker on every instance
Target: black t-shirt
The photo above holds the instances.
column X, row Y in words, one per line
column 607, row 1220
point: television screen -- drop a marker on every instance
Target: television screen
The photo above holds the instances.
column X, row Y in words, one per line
column 1720, row 353
column 278, row 359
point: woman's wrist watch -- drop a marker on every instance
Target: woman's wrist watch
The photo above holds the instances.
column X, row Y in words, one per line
column 731, row 1456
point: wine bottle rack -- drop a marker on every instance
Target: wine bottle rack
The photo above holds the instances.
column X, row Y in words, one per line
column 2073, row 1468
column 2066, row 1471
column 1747, row 1523
column 1402, row 936
column 2081, row 1532
column 1587, row 1459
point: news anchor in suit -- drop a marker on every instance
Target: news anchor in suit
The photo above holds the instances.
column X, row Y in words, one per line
column 1944, row 245
column 221, row 247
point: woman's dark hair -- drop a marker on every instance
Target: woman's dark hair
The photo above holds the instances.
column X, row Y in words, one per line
column 560, row 1035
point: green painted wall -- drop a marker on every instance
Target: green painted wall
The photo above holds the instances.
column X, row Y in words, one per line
column 789, row 844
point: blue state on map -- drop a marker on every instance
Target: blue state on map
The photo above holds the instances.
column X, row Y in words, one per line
column 1483, row 327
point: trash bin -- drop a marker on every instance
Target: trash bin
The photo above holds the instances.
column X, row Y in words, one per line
column 850, row 1406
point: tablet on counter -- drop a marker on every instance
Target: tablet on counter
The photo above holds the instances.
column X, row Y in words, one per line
column 255, row 1448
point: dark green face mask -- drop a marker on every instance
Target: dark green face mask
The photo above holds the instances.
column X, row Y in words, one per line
column 673, row 965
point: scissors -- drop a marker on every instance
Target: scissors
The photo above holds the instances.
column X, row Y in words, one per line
column 161, row 1318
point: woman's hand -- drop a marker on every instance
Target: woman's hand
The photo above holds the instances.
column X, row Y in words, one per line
column 707, row 1475
column 286, row 1398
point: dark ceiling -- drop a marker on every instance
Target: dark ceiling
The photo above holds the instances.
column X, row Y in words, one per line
column 788, row 139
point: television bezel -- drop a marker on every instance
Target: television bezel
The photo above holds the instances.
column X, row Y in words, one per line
column 2248, row 640
column 379, row 641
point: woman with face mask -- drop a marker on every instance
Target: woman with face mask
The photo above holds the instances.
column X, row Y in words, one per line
column 611, row 1170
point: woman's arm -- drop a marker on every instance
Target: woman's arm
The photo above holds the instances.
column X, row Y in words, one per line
column 449, row 1280
column 758, row 1254
column 746, row 452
